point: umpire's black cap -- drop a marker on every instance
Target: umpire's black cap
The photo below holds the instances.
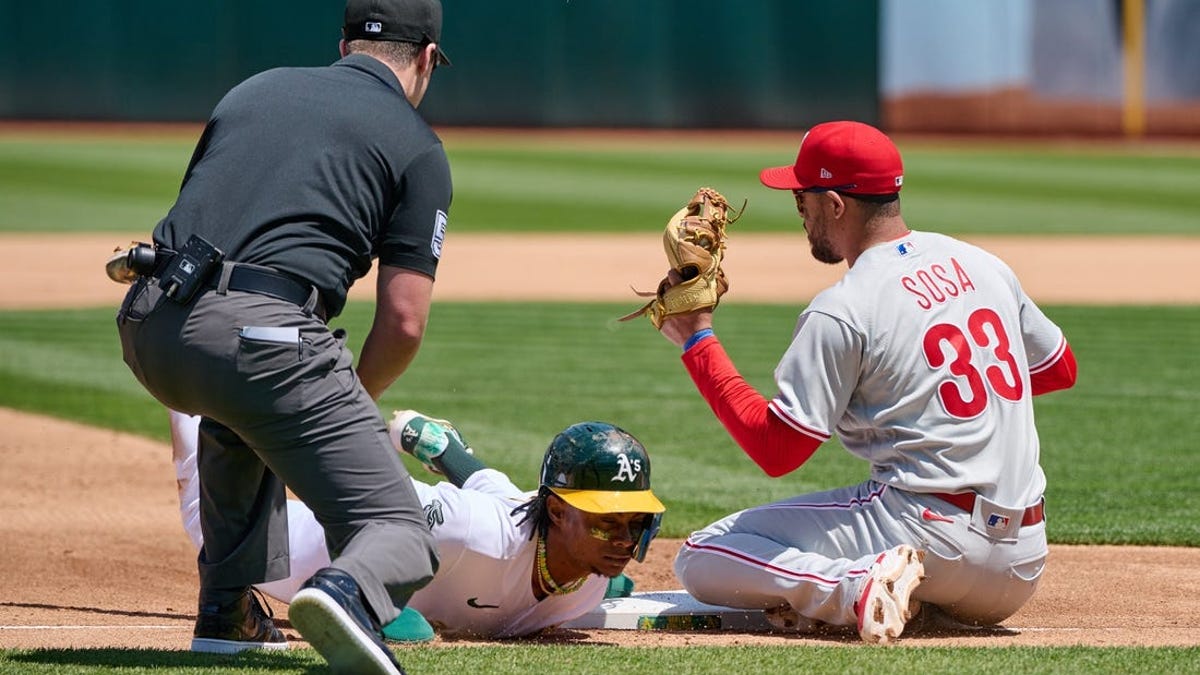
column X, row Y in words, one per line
column 418, row 21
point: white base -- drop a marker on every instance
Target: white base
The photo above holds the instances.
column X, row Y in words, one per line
column 670, row 610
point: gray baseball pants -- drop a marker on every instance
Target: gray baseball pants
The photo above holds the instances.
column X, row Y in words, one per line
column 813, row 551
column 281, row 406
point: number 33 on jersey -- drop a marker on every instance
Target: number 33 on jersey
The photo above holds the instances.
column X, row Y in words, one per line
column 942, row 320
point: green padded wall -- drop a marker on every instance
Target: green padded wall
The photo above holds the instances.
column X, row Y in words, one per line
column 610, row 63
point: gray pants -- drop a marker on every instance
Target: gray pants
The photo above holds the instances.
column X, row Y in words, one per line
column 280, row 408
column 812, row 552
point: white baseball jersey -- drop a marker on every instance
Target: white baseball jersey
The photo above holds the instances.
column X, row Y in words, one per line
column 914, row 358
column 483, row 586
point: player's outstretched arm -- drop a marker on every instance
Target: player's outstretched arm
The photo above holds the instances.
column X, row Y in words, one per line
column 776, row 447
column 436, row 442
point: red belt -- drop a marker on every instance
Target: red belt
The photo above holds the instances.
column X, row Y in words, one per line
column 966, row 501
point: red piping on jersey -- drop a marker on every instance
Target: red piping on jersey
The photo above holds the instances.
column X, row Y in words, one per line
column 797, row 424
column 770, row 567
column 1050, row 360
column 774, row 445
column 1055, row 373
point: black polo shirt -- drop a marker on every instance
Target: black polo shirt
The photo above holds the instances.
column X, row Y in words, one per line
column 315, row 172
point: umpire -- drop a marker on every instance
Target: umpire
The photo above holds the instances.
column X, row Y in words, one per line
column 301, row 178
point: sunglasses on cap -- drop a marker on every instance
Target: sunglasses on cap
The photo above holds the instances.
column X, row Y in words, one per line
column 817, row 189
column 841, row 190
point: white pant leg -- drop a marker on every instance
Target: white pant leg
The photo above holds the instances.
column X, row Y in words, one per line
column 810, row 552
column 185, row 438
column 306, row 552
column 306, row 539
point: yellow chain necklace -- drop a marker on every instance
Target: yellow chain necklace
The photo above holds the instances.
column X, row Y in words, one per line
column 548, row 584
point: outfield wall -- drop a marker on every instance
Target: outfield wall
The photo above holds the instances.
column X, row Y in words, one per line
column 556, row 63
column 1015, row 66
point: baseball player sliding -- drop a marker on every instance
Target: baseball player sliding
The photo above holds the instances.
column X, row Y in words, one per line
column 924, row 360
column 512, row 563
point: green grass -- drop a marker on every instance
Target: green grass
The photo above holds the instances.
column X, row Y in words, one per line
column 602, row 660
column 1118, row 449
column 88, row 183
column 108, row 182
column 512, row 375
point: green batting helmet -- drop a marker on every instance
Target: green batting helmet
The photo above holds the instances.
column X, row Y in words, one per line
column 600, row 468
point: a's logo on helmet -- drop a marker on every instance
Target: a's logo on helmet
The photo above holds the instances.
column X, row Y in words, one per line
column 627, row 470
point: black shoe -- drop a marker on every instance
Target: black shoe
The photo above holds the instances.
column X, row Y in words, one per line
column 237, row 626
column 329, row 612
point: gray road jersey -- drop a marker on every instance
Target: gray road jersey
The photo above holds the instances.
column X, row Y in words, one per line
column 919, row 359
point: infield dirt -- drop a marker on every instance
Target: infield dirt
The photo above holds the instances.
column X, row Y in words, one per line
column 93, row 553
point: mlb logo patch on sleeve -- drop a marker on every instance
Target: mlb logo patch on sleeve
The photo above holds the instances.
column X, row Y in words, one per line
column 439, row 234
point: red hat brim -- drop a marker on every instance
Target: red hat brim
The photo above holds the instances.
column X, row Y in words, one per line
column 780, row 178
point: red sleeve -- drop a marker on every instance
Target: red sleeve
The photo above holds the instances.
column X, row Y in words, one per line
column 1055, row 375
column 773, row 445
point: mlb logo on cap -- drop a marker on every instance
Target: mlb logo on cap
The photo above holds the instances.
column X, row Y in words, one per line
column 415, row 21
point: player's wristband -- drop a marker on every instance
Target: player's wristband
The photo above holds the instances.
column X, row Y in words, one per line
column 458, row 465
column 697, row 337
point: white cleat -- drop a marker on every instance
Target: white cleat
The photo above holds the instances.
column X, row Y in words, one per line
column 885, row 604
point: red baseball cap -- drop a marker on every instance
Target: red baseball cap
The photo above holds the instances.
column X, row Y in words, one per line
column 849, row 157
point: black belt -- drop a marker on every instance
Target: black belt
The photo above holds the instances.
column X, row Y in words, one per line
column 258, row 280
column 268, row 283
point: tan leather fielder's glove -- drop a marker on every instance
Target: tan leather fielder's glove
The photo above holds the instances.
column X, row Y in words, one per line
column 694, row 241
